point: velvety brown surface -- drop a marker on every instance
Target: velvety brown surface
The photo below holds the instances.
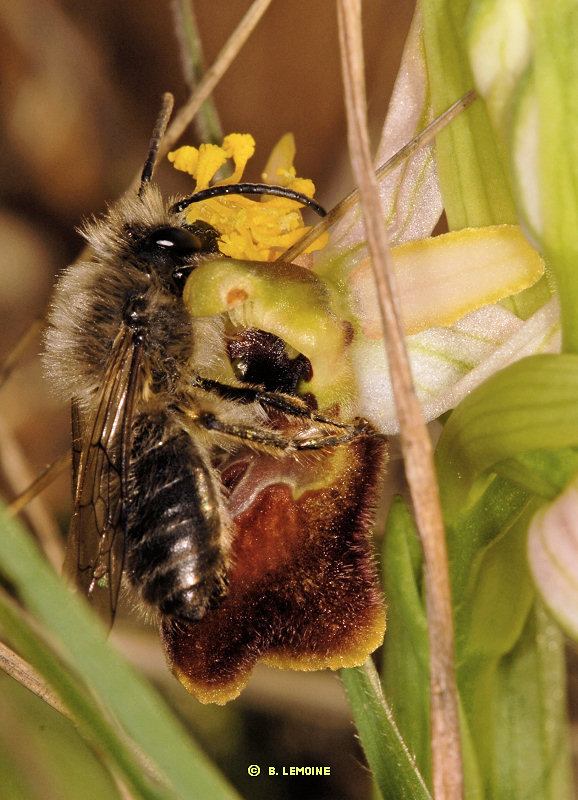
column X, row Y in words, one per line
column 303, row 589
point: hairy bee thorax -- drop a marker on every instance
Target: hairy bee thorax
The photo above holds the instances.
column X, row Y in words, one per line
column 141, row 256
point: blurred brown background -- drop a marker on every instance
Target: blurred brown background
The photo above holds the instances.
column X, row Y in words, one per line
column 80, row 90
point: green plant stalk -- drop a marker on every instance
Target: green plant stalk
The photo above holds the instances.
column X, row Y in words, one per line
column 392, row 765
column 406, row 653
column 206, row 121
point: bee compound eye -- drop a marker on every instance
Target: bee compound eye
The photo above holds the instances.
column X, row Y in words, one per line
column 180, row 242
column 170, row 253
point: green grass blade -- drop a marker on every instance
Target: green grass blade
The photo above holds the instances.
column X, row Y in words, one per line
column 96, row 728
column 80, row 643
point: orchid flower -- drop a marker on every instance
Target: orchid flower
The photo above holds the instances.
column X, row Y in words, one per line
column 453, row 293
column 482, row 313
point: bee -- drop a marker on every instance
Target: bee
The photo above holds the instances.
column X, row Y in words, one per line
column 154, row 435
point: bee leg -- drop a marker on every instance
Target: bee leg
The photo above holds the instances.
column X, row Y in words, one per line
column 317, row 441
column 293, row 406
column 358, row 428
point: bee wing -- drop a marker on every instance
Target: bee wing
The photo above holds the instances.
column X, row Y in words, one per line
column 101, row 454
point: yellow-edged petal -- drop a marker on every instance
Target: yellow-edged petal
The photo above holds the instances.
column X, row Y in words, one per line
column 440, row 280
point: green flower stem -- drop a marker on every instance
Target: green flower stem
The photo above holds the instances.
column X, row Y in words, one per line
column 406, row 651
column 207, row 120
column 405, row 671
column 392, row 765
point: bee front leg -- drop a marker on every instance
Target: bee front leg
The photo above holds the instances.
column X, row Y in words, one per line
column 316, row 441
column 356, row 429
column 292, row 406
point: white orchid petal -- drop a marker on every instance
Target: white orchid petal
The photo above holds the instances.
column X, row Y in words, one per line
column 448, row 363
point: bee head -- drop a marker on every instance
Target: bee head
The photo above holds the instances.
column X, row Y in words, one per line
column 172, row 251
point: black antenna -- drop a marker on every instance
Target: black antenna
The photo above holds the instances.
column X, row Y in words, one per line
column 247, row 188
column 158, row 133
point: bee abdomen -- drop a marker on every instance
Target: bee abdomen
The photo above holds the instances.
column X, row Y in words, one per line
column 175, row 523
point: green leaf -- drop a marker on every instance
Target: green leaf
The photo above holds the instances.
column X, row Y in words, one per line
column 392, row 765
column 542, row 472
column 75, row 635
column 530, row 741
column 473, row 532
column 528, row 406
column 406, row 649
